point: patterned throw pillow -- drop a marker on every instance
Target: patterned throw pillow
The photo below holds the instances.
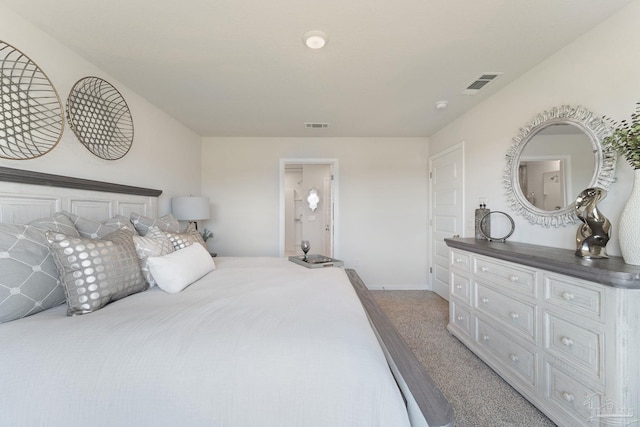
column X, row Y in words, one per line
column 96, row 230
column 165, row 223
column 155, row 243
column 95, row 272
column 29, row 281
column 58, row 222
column 182, row 240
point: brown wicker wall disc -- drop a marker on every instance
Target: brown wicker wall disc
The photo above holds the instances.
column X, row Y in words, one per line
column 100, row 118
column 31, row 118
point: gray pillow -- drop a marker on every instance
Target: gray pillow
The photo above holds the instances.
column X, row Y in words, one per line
column 95, row 272
column 96, row 230
column 58, row 222
column 164, row 223
column 29, row 281
column 182, row 240
column 155, row 243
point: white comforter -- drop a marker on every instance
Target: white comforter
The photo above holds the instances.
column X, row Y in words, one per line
column 257, row 342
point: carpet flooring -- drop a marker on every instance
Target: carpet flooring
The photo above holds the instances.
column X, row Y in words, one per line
column 479, row 397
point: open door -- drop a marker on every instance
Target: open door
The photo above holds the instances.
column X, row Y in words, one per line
column 308, row 205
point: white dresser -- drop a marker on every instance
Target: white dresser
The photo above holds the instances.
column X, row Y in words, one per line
column 563, row 331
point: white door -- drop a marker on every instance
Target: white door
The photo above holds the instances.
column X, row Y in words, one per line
column 446, row 188
column 327, row 198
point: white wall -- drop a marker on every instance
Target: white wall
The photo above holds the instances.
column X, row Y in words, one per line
column 164, row 155
column 382, row 200
column 600, row 70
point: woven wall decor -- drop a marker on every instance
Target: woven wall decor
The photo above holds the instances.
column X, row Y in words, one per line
column 31, row 118
column 100, row 118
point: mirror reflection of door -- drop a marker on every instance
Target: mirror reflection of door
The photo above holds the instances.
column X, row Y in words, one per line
column 553, row 191
column 543, row 182
column 301, row 221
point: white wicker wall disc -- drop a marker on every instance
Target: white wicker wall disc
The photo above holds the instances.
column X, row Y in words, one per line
column 31, row 118
column 100, row 118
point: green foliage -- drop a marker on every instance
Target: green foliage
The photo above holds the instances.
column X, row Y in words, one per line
column 626, row 138
column 206, row 234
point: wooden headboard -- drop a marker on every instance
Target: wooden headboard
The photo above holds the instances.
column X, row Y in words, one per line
column 27, row 195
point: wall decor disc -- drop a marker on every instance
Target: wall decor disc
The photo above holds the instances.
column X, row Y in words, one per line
column 31, row 118
column 100, row 118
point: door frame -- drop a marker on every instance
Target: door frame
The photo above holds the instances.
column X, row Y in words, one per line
column 460, row 146
column 334, row 199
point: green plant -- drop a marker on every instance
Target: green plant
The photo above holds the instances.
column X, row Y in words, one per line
column 206, row 234
column 625, row 138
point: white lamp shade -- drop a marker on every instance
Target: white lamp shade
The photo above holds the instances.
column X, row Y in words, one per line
column 190, row 208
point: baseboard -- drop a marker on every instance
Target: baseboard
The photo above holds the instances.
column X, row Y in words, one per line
column 399, row 287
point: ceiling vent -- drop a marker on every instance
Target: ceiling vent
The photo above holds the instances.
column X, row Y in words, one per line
column 316, row 125
column 480, row 82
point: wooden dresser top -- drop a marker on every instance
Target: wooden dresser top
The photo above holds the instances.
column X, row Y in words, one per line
column 609, row 272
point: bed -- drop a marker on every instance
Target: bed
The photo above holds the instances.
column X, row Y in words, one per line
column 255, row 341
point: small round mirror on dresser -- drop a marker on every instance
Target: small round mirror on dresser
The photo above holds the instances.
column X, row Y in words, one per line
column 552, row 159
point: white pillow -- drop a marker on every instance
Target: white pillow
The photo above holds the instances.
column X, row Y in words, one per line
column 179, row 269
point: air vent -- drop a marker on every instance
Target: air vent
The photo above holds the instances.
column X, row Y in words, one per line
column 481, row 82
column 316, row 125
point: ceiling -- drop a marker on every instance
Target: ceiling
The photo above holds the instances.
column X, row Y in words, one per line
column 240, row 68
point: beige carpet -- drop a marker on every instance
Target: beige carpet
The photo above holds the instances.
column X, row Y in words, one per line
column 478, row 396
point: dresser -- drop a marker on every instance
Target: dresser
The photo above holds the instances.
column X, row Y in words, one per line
column 562, row 330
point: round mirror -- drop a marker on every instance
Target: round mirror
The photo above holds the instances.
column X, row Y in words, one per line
column 497, row 226
column 554, row 158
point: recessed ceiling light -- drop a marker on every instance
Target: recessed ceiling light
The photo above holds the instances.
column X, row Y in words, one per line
column 315, row 39
column 441, row 105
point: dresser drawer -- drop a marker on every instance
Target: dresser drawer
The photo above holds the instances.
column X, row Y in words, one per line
column 460, row 317
column 460, row 287
column 460, row 260
column 516, row 278
column 575, row 295
column 573, row 398
column 510, row 312
column 580, row 346
column 514, row 357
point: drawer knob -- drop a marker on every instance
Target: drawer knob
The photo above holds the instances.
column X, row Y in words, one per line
column 514, row 278
column 485, row 337
column 568, row 296
column 485, row 300
column 514, row 315
column 459, row 260
column 568, row 396
column 460, row 318
column 458, row 286
column 566, row 341
column 514, row 357
column 485, row 269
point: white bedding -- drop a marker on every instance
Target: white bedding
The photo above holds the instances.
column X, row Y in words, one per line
column 256, row 342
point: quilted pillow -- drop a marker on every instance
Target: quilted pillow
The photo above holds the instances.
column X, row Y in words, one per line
column 179, row 269
column 155, row 243
column 29, row 281
column 164, row 223
column 94, row 229
column 182, row 240
column 95, row 272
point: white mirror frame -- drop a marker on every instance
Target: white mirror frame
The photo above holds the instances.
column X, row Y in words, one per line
column 596, row 129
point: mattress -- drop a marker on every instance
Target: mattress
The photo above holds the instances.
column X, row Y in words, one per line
column 256, row 342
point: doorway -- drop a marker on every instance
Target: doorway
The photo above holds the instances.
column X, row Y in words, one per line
column 302, row 220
